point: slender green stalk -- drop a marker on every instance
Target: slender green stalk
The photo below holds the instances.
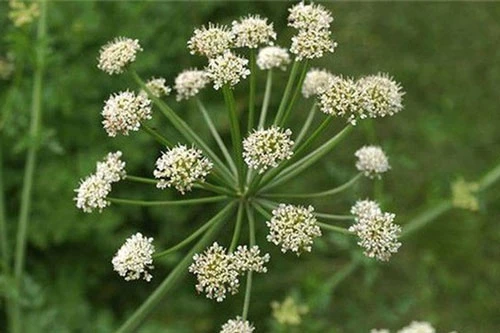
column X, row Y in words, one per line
column 29, row 172
column 426, row 217
column 237, row 227
column 155, row 135
column 286, row 93
column 185, row 202
column 182, row 127
column 307, row 124
column 296, row 94
column 261, row 210
column 134, row 322
column 216, row 189
column 267, row 97
column 216, row 135
column 248, row 289
column 235, row 132
column 253, row 82
column 312, row 138
column 334, row 228
column 490, row 178
column 141, row 180
column 3, row 222
column 332, row 191
column 334, row 217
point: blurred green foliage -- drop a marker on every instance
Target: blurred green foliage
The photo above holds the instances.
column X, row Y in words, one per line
column 446, row 57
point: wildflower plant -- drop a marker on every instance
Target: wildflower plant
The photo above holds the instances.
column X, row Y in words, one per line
column 243, row 174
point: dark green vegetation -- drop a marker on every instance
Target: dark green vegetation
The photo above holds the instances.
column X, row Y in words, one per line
column 445, row 56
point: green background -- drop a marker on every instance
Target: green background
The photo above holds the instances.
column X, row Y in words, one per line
column 444, row 54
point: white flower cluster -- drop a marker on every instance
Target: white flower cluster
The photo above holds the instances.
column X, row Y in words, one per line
column 293, row 228
column 117, row 54
column 93, row 190
column 414, row 327
column 253, row 31
column 273, row 57
column 342, row 98
column 377, row 233
column 237, row 325
column 124, row 111
column 316, row 82
column 266, row 148
column 372, row 161
column 181, row 167
column 382, row 96
column 135, row 258
column 313, row 39
column 157, row 87
column 189, row 83
column 218, row 272
column 227, row 68
column 211, row 41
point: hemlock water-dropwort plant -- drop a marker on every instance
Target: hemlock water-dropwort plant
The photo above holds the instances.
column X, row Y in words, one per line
column 263, row 153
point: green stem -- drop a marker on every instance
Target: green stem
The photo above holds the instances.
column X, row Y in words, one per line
column 490, row 178
column 307, row 124
column 334, row 217
column 29, row 172
column 248, row 289
column 267, row 98
column 334, row 228
column 141, row 180
column 134, row 322
column 296, row 94
column 216, row 189
column 216, row 135
column 426, row 217
column 168, row 202
column 261, row 210
column 251, row 101
column 237, row 227
column 155, row 135
column 3, row 221
column 286, row 93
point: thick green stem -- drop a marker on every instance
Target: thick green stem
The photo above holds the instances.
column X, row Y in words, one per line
column 137, row 318
column 296, row 94
column 307, row 124
column 155, row 135
column 286, row 94
column 29, row 172
column 253, row 82
column 267, row 98
column 185, row 202
column 334, row 228
column 237, row 227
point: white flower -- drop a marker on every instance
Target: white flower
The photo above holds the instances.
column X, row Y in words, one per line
column 157, row 87
column 181, row 167
column 211, row 41
column 365, row 208
column 92, row 193
column 117, row 54
column 372, row 161
column 418, row 327
column 253, row 31
column 237, row 325
column 293, row 228
column 247, row 259
column 311, row 44
column 382, row 96
column 216, row 273
column 309, row 17
column 112, row 168
column 316, row 81
column 266, row 148
column 382, row 330
column 227, row 68
column 273, row 57
column 342, row 98
column 135, row 258
column 189, row 83
column 124, row 111
column 378, row 235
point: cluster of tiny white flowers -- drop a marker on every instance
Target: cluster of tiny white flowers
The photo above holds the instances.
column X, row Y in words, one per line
column 181, row 167
column 135, row 258
column 273, row 57
column 124, row 111
column 117, row 54
column 249, row 259
column 382, row 330
column 372, row 161
column 237, row 325
column 157, row 87
column 342, row 98
column 293, row 228
column 382, row 96
column 227, row 68
column 189, row 83
column 266, row 148
column 316, row 82
column 377, row 233
column 94, row 189
column 418, row 327
column 311, row 16
column 211, row 41
column 253, row 31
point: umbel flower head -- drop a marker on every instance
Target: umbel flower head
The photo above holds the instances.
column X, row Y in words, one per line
column 372, row 161
column 237, row 325
column 211, row 41
column 135, row 258
column 112, row 168
column 253, row 31
column 288, row 312
column 92, row 194
column 181, row 167
column 342, row 98
column 309, row 17
column 249, row 259
column 311, row 44
column 418, row 327
column 382, row 96
column 365, row 208
column 273, row 57
column 316, row 82
column 293, row 228
column 227, row 68
column 189, row 83
column 124, row 111
column 117, row 54
column 157, row 87
column 266, row 148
